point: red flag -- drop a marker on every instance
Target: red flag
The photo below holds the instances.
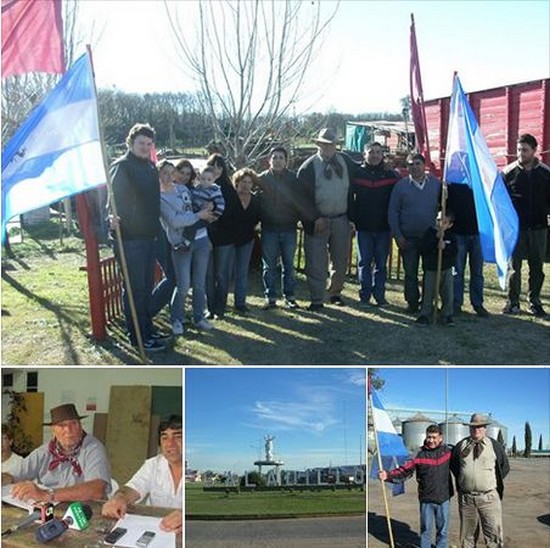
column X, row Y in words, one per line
column 417, row 101
column 32, row 37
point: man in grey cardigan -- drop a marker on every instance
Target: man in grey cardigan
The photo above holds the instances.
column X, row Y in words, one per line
column 413, row 209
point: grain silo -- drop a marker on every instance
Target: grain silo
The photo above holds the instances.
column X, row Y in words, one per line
column 414, row 431
column 456, row 430
column 493, row 430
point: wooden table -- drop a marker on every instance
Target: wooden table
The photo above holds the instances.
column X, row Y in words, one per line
column 92, row 537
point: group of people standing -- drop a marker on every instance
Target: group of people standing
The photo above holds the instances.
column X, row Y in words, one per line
column 201, row 229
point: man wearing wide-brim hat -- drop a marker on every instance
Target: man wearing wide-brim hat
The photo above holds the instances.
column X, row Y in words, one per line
column 479, row 465
column 324, row 180
column 72, row 466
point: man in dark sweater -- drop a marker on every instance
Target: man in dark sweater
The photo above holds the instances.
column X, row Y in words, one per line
column 461, row 201
column 368, row 210
column 528, row 183
column 435, row 488
column 137, row 196
column 279, row 214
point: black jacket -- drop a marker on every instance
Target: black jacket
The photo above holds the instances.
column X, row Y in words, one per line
column 432, row 473
column 370, row 196
column 137, row 194
column 502, row 467
column 221, row 231
column 430, row 250
column 279, row 199
column 530, row 193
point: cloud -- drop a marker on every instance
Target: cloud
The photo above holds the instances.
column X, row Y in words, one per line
column 357, row 377
column 314, row 413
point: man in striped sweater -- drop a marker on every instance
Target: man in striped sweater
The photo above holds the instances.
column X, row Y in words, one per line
column 435, row 487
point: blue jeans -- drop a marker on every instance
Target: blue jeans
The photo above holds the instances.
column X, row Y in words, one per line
column 428, row 512
column 411, row 263
column 468, row 247
column 220, row 268
column 275, row 245
column 373, row 246
column 191, row 269
column 242, row 263
column 140, row 259
column 163, row 293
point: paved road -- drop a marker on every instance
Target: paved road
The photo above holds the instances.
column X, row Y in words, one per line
column 344, row 532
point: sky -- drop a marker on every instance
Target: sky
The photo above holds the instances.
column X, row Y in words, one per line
column 363, row 62
column 317, row 416
column 512, row 395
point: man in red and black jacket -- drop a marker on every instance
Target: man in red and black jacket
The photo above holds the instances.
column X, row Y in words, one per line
column 368, row 209
column 435, row 488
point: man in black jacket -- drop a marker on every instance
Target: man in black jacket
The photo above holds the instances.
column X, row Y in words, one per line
column 137, row 196
column 479, row 465
column 435, row 488
column 528, row 183
column 368, row 210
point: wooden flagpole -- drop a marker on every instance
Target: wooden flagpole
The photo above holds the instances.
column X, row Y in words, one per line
column 118, row 235
column 379, row 458
column 444, row 192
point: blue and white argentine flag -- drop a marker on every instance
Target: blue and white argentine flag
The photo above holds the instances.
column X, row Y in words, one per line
column 390, row 444
column 468, row 161
column 56, row 152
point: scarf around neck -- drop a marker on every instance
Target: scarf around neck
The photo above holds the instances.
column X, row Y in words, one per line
column 58, row 456
column 475, row 446
column 330, row 165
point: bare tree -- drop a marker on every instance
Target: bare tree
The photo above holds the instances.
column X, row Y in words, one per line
column 250, row 60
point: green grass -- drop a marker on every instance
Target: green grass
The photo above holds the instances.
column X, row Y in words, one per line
column 199, row 503
column 45, row 320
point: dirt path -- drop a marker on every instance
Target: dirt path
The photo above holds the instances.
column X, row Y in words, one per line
column 526, row 510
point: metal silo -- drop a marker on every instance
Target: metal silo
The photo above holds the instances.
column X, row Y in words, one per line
column 493, row 430
column 414, row 431
column 456, row 430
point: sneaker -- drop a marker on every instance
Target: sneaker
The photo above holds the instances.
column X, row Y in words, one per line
column 154, row 346
column 537, row 311
column 242, row 309
column 204, row 324
column 511, row 308
column 269, row 305
column 291, row 303
column 422, row 321
column 381, row 303
column 159, row 336
column 412, row 308
column 337, row 300
column 481, row 311
column 365, row 303
column 177, row 327
column 315, row 307
column 448, row 321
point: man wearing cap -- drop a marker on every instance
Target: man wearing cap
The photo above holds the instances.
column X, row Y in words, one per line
column 480, row 464
column 412, row 210
column 324, row 181
column 73, row 466
column 158, row 481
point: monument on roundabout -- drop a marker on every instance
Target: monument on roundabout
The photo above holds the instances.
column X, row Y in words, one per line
column 273, row 476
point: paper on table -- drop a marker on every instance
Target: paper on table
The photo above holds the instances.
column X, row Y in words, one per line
column 9, row 499
column 137, row 525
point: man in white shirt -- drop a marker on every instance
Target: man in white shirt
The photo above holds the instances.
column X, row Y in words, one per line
column 158, row 481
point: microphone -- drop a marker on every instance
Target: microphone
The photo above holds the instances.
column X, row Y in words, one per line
column 76, row 517
column 43, row 512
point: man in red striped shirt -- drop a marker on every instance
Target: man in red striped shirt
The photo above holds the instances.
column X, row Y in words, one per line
column 435, row 487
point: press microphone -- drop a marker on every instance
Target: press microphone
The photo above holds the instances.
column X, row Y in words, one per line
column 42, row 512
column 76, row 517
